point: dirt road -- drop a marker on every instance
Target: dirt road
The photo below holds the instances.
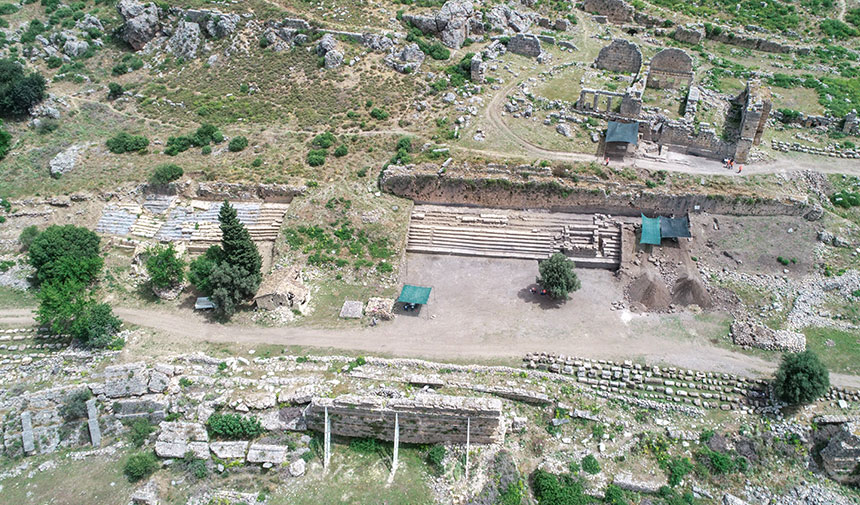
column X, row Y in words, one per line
column 481, row 310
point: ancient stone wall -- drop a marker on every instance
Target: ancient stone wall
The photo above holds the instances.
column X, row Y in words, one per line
column 615, row 11
column 689, row 34
column 424, row 419
column 670, row 69
column 729, row 36
column 757, row 104
column 620, row 56
column 525, row 44
column 502, row 187
column 221, row 191
column 683, row 137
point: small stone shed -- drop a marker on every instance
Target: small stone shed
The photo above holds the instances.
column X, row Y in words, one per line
column 283, row 288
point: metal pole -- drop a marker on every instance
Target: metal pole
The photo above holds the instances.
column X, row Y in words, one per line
column 468, row 429
column 327, row 441
column 396, row 442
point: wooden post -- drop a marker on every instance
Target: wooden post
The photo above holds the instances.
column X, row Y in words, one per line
column 327, row 441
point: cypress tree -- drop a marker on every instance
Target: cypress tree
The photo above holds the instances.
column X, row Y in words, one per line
column 239, row 249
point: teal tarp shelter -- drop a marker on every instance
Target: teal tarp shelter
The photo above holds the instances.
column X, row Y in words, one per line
column 650, row 230
column 414, row 294
column 675, row 227
column 622, row 132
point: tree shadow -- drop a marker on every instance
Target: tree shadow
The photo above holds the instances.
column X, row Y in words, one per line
column 545, row 302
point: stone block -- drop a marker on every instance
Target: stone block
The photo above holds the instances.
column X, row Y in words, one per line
column 27, row 433
column 263, row 453
column 93, row 423
column 229, row 450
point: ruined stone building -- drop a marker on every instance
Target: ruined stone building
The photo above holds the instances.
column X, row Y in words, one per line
column 755, row 109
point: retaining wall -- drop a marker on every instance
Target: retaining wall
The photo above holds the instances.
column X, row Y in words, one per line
column 503, row 189
column 424, row 419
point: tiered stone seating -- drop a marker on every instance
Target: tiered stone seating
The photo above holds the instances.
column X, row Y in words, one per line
column 591, row 240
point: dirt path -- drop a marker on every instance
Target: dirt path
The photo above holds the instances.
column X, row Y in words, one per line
column 842, row 8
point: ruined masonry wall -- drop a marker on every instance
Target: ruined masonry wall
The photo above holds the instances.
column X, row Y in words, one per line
column 425, row 419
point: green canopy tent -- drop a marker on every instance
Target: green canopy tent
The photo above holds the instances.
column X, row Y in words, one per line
column 418, row 295
column 622, row 132
column 650, row 230
column 675, row 227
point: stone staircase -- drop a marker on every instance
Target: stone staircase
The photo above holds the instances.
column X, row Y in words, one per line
column 590, row 240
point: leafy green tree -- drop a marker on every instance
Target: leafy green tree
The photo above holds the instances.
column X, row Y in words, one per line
column 66, row 252
column 557, row 276
column 59, row 302
column 165, row 173
column 164, row 267
column 200, row 268
column 114, row 90
column 75, row 405
column 18, row 90
column 801, row 378
column 95, row 325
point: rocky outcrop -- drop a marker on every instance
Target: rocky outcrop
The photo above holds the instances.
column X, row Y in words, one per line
column 456, row 21
column 751, row 334
column 407, row 60
column 214, row 23
column 141, row 22
column 89, row 22
column 65, row 161
column 75, row 48
column 178, row 438
column 615, row 11
column 503, row 18
column 692, row 34
column 477, row 69
column 377, row 42
column 185, row 40
column 327, row 48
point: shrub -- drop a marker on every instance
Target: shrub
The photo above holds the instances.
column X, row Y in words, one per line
column 435, row 458
column 678, row 467
column 165, row 173
column 258, row 162
column 801, row 378
column 164, row 267
column 845, row 199
column 201, row 267
column 18, row 90
column 837, row 29
column 316, row 157
column 75, row 405
column 140, row 466
column 95, row 325
column 47, row 126
column 125, row 143
column 114, row 90
column 557, row 276
column 140, row 431
column 237, row 144
column 341, row 151
column 550, row 489
column 384, row 267
column 614, row 495
column 379, row 114
column 27, row 236
column 364, row 445
column 233, row 426
column 324, row 140
column 590, row 465
column 5, row 142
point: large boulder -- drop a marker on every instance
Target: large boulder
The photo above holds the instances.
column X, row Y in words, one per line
column 141, row 22
column 185, row 40
column 505, row 19
column 214, row 23
column 65, row 161
column 89, row 22
column 74, row 48
column 326, row 44
column 456, row 21
column 376, row 42
column 406, row 61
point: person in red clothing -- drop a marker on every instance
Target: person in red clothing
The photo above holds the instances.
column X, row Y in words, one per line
column 740, row 167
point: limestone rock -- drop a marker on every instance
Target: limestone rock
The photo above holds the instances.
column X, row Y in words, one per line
column 185, row 40
column 297, row 468
column 525, row 44
column 333, row 59
column 453, row 23
column 146, row 494
column 229, row 450
column 564, row 129
column 503, row 18
column 263, row 453
column 89, row 22
column 179, row 437
column 376, row 42
column 158, row 382
column 141, row 22
column 65, row 161
column 406, row 61
column 691, row 34
column 326, row 44
column 74, row 48
column 125, row 380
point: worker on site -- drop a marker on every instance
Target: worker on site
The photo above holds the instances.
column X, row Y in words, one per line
column 740, row 167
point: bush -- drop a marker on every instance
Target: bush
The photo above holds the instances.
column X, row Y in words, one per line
column 678, row 467
column 324, row 140
column 165, row 174
column 557, row 276
column 614, row 495
column 5, row 142
column 125, row 143
column 379, row 114
column 237, row 144
column 801, row 378
column 837, row 29
column 435, row 458
column 140, row 431
column 845, row 199
column 18, row 90
column 550, row 489
column 65, row 253
column 140, row 466
column 590, row 465
column 341, row 151
column 114, row 90
column 316, row 157
column 95, row 326
column 27, row 236
column 75, row 405
column 233, row 426
column 364, row 445
column 164, row 267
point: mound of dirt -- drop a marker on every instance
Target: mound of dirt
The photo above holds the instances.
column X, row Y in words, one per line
column 650, row 291
column 691, row 291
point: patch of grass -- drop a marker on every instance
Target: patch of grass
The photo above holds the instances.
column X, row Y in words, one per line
column 11, row 298
column 841, row 357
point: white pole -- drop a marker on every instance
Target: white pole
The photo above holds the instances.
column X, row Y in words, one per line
column 468, row 429
column 396, row 441
column 327, row 441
